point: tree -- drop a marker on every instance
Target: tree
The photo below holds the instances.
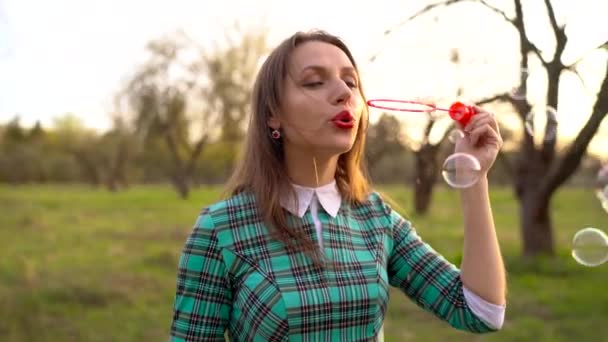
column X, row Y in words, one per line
column 119, row 148
column 385, row 149
column 426, row 164
column 80, row 143
column 183, row 94
column 13, row 132
column 539, row 169
column 231, row 74
column 385, row 137
column 36, row 133
column 427, row 151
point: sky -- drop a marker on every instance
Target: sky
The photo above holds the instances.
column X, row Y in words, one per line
column 72, row 55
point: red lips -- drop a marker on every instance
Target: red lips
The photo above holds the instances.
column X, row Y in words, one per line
column 344, row 120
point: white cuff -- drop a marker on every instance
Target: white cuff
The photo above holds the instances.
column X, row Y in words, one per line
column 491, row 314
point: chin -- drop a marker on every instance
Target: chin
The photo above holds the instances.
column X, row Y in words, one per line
column 340, row 147
column 336, row 145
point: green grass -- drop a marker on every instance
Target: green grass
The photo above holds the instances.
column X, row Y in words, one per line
column 82, row 264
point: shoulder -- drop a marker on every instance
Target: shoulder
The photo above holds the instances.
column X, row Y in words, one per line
column 373, row 202
column 241, row 199
column 218, row 215
column 378, row 205
column 372, row 207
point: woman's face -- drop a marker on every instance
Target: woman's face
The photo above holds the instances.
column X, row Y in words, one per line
column 321, row 107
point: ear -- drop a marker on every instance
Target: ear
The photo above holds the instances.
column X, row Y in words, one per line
column 274, row 123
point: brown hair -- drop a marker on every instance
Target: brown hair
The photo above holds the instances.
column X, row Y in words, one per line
column 261, row 170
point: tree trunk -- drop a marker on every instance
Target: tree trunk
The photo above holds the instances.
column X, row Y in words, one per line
column 181, row 182
column 111, row 184
column 116, row 178
column 425, row 177
column 536, row 224
column 91, row 171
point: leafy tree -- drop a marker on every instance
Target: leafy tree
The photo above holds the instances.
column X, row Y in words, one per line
column 183, row 95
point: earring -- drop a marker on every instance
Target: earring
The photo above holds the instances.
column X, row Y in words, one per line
column 275, row 134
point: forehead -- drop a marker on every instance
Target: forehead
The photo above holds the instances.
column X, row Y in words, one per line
column 319, row 53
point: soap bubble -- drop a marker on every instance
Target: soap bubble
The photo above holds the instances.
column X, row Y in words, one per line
column 601, row 185
column 455, row 135
column 529, row 123
column 590, row 247
column 602, row 193
column 518, row 93
column 548, row 121
column 602, row 196
column 461, row 170
column 602, row 177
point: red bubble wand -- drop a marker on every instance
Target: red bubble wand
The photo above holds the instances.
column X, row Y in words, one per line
column 458, row 111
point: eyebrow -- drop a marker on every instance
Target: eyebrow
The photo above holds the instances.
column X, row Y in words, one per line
column 323, row 69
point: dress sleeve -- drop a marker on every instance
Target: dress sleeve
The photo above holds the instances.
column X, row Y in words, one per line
column 203, row 298
column 428, row 279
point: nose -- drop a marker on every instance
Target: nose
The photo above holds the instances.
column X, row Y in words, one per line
column 342, row 94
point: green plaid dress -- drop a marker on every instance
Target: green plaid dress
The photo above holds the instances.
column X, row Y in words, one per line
column 232, row 276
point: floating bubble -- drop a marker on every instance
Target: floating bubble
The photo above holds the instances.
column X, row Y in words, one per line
column 601, row 185
column 602, row 177
column 529, row 124
column 550, row 124
column 590, row 247
column 602, row 193
column 455, row 135
column 519, row 93
column 461, row 170
column 549, row 121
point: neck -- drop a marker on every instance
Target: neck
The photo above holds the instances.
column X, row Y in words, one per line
column 301, row 169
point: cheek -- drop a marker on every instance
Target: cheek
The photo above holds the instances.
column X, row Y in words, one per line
column 304, row 113
column 296, row 106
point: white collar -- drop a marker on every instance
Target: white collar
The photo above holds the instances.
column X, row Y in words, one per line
column 328, row 196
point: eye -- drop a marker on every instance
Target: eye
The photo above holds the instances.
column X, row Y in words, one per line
column 312, row 84
column 351, row 81
column 351, row 84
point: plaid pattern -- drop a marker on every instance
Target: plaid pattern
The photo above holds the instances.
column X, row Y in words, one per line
column 232, row 276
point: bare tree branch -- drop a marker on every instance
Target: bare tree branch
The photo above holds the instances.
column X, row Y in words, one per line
column 532, row 47
column 175, row 155
column 560, row 36
column 446, row 3
column 424, row 10
column 560, row 171
column 504, row 97
column 580, row 78
column 427, row 129
column 497, row 11
column 195, row 153
column 554, row 70
column 525, row 43
column 501, row 13
column 552, row 19
column 570, row 66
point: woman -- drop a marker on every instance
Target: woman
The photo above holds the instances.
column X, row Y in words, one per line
column 302, row 249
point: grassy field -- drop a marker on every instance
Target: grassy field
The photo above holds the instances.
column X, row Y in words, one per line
column 81, row 264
